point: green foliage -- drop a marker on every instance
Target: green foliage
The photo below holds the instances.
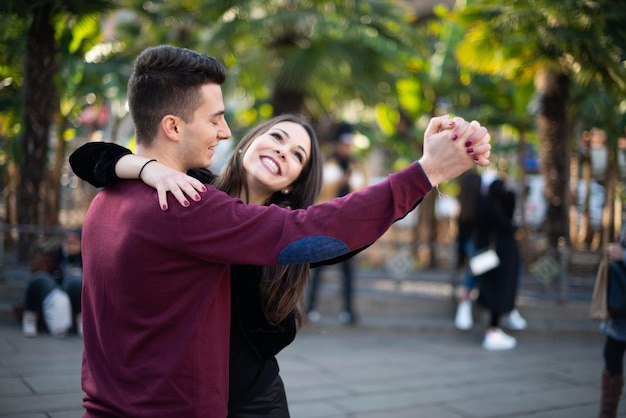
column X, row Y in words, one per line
column 517, row 38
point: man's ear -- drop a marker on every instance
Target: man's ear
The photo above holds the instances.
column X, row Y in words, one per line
column 172, row 127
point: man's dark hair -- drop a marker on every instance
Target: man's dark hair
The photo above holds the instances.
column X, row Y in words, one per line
column 167, row 80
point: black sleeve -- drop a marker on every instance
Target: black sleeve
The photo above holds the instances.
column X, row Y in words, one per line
column 95, row 162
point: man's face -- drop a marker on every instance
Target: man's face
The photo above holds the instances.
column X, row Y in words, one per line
column 202, row 134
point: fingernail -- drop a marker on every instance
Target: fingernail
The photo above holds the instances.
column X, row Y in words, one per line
column 468, row 143
column 454, row 137
column 204, row 188
column 197, row 197
column 451, row 123
column 475, row 158
column 470, row 150
column 186, row 203
column 164, row 207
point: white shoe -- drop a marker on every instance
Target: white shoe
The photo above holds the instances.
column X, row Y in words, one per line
column 463, row 319
column 498, row 340
column 514, row 321
column 314, row 316
column 29, row 324
column 346, row 318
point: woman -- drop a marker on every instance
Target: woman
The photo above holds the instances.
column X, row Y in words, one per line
column 615, row 341
column 278, row 162
column 498, row 287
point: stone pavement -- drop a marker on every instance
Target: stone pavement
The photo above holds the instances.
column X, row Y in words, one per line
column 403, row 359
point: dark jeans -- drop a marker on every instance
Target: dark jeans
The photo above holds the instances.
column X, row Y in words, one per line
column 38, row 288
column 74, row 287
column 614, row 356
column 41, row 284
column 347, row 272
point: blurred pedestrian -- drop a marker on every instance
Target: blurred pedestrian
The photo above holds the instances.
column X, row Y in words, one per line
column 68, row 272
column 615, row 342
column 498, row 287
column 469, row 199
column 343, row 173
column 52, row 295
column 473, row 188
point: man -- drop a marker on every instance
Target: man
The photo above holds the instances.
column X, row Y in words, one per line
column 156, row 302
column 342, row 175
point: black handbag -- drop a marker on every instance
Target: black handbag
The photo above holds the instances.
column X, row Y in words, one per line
column 616, row 290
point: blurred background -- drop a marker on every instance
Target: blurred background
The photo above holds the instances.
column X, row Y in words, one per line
column 548, row 79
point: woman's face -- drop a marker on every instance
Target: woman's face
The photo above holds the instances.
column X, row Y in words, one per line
column 275, row 159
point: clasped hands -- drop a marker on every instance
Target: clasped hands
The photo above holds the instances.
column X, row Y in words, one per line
column 452, row 146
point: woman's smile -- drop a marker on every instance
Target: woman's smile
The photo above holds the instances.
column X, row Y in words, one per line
column 271, row 165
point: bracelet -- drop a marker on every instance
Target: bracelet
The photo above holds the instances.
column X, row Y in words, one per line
column 144, row 166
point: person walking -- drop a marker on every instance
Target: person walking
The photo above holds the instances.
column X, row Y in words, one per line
column 472, row 188
column 498, row 287
column 342, row 175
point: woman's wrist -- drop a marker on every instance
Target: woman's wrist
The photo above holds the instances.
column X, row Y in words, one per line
column 131, row 166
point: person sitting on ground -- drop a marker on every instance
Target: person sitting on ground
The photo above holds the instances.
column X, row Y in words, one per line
column 45, row 303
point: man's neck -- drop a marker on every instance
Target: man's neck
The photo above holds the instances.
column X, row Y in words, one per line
column 162, row 156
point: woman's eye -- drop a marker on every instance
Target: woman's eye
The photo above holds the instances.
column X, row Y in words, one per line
column 277, row 136
column 298, row 156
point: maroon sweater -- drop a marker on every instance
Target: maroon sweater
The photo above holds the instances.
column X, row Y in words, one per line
column 156, row 291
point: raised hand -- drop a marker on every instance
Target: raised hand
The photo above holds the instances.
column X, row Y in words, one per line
column 451, row 147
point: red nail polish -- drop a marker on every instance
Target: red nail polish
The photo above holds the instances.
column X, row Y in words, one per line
column 186, row 203
column 164, row 207
column 470, row 150
column 197, row 197
column 475, row 158
column 468, row 143
column 204, row 188
column 454, row 137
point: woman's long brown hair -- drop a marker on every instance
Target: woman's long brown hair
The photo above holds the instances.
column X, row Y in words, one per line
column 282, row 287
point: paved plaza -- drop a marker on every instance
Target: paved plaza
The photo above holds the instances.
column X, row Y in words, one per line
column 404, row 359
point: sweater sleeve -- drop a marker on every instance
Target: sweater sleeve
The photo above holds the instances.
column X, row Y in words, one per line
column 95, row 162
column 270, row 235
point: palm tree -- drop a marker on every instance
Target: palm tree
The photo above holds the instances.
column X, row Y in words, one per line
column 39, row 102
column 306, row 56
column 557, row 43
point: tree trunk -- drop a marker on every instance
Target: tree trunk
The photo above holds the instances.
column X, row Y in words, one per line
column 287, row 101
column 521, row 152
column 553, row 132
column 39, row 107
